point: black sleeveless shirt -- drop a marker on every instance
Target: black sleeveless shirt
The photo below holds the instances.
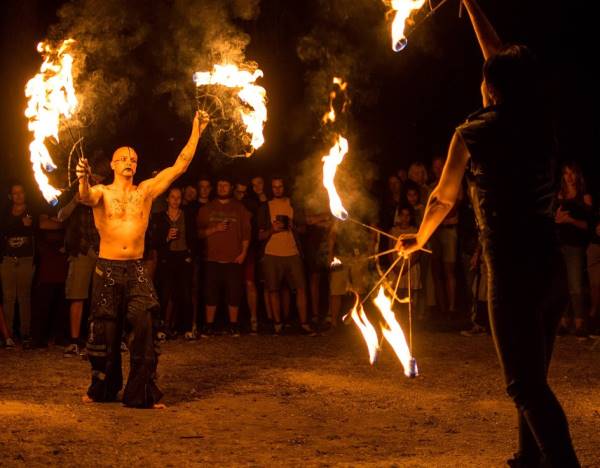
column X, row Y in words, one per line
column 510, row 175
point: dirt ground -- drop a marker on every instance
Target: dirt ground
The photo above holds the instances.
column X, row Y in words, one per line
column 290, row 401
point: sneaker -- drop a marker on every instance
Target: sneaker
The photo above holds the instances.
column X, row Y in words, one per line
column 306, row 330
column 234, row 330
column 10, row 344
column 83, row 353
column 277, row 328
column 190, row 335
column 124, row 348
column 208, row 330
column 26, row 343
column 475, row 330
column 71, row 351
column 161, row 337
column 254, row 327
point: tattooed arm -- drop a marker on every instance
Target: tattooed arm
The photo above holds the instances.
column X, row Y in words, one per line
column 166, row 177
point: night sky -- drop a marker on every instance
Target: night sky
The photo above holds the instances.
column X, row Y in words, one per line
column 404, row 109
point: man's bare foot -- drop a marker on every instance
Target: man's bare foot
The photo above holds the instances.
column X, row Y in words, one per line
column 86, row 399
column 159, row 406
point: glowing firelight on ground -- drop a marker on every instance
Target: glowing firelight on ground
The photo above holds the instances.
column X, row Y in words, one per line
column 251, row 94
column 403, row 9
column 51, row 96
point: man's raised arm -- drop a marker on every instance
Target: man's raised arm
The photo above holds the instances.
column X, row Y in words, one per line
column 488, row 39
column 88, row 195
column 163, row 180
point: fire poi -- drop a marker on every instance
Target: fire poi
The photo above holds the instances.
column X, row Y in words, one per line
column 52, row 99
column 251, row 109
column 392, row 331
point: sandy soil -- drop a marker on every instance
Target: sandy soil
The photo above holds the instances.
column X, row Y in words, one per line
column 290, row 401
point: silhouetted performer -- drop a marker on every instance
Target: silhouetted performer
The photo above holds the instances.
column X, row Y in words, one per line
column 506, row 150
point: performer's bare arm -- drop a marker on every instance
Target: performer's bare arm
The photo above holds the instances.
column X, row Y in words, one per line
column 163, row 180
column 442, row 199
column 88, row 195
column 488, row 39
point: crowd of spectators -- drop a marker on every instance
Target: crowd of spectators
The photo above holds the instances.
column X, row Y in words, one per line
column 239, row 255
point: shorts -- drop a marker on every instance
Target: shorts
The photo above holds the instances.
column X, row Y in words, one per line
column 79, row 277
column 352, row 276
column 444, row 243
column 276, row 269
column 223, row 276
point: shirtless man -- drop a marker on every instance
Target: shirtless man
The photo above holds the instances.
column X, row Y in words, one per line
column 121, row 290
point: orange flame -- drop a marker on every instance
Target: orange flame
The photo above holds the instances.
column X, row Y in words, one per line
column 330, row 164
column 393, row 332
column 367, row 329
column 403, row 9
column 51, row 96
column 250, row 93
column 329, row 116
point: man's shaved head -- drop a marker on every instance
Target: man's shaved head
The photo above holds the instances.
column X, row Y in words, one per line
column 124, row 162
column 124, row 151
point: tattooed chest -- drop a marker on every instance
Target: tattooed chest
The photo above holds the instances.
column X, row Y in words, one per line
column 129, row 206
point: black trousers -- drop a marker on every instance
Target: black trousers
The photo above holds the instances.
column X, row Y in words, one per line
column 122, row 295
column 527, row 292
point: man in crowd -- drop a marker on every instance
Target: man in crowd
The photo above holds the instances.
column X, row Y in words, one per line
column 282, row 255
column 225, row 224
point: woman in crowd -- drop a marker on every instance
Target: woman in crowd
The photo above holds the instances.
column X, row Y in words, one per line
column 572, row 220
column 17, row 228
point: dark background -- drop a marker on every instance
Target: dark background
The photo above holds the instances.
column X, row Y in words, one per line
column 422, row 93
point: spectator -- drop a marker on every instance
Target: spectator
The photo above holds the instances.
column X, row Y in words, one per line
column 391, row 200
column 241, row 195
column 259, row 197
column 82, row 244
column 204, row 193
column 318, row 225
column 174, row 240
column 282, row 255
column 437, row 166
column 18, row 238
column 572, row 217
column 49, row 304
column 352, row 247
column 402, row 175
column 190, row 195
column 225, row 224
column 413, row 198
column 410, row 279
column 418, row 174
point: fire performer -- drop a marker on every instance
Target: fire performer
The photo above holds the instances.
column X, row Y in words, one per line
column 509, row 143
column 121, row 289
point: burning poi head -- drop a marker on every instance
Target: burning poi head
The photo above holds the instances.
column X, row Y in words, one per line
column 402, row 10
column 51, row 98
column 253, row 109
column 336, row 153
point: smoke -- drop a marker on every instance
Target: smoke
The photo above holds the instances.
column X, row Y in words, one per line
column 128, row 55
column 341, row 43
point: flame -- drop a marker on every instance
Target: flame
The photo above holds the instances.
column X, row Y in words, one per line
column 330, row 164
column 366, row 328
column 250, row 93
column 336, row 261
column 403, row 9
column 330, row 115
column 393, row 332
column 51, row 96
